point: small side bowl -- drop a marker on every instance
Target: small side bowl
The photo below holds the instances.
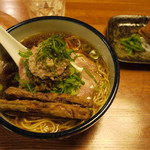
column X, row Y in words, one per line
column 91, row 35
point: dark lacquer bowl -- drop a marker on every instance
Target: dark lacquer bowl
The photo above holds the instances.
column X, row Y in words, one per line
column 85, row 31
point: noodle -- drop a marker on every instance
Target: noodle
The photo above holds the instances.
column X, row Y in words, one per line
column 51, row 125
column 103, row 88
column 73, row 42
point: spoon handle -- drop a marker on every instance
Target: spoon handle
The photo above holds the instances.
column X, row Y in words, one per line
column 11, row 45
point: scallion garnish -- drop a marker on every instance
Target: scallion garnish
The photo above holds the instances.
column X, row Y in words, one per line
column 132, row 44
column 87, row 71
column 52, row 48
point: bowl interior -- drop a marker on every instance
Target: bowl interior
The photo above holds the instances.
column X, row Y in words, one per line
column 86, row 32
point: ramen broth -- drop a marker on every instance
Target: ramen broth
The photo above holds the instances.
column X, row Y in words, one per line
column 101, row 90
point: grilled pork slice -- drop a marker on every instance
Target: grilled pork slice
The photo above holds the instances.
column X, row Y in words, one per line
column 45, row 109
column 17, row 93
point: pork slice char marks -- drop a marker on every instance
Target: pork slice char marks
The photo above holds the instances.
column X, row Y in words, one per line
column 38, row 108
column 17, row 93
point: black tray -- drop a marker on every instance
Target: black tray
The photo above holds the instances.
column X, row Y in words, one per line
column 123, row 26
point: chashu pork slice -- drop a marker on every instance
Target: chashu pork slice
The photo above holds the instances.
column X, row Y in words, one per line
column 87, row 90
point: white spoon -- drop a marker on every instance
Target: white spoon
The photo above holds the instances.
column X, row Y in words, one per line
column 11, row 45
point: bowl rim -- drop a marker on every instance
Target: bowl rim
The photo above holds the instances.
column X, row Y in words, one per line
column 93, row 119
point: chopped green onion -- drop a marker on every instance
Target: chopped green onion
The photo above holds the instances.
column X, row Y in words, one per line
column 132, row 44
column 94, row 54
column 52, row 48
column 68, row 86
column 27, row 85
column 26, row 54
column 87, row 71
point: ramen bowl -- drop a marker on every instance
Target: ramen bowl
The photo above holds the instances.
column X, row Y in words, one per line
column 72, row 26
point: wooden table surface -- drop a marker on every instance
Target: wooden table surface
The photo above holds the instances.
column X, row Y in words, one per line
column 126, row 125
